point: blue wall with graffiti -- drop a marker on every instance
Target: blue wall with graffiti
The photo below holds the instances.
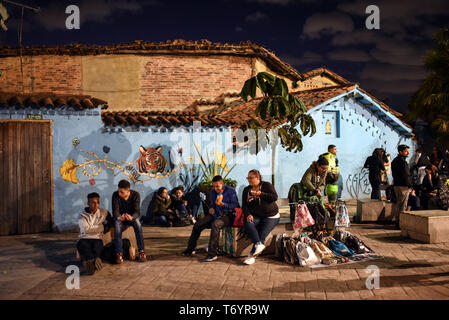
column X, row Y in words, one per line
column 88, row 157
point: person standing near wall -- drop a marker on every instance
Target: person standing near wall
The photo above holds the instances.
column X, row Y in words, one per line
column 93, row 222
column 375, row 165
column 333, row 174
column 402, row 181
column 126, row 212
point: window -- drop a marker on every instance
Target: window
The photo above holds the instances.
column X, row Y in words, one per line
column 331, row 121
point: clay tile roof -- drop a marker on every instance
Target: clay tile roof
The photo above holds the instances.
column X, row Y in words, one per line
column 241, row 114
column 48, row 100
column 160, row 118
column 325, row 71
column 175, row 47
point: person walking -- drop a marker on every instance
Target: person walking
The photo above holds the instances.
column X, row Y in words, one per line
column 402, row 181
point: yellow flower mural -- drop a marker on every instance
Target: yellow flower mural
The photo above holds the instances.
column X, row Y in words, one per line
column 68, row 171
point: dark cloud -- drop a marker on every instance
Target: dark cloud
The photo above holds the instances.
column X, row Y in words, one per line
column 325, row 24
column 256, row 17
column 355, row 55
column 53, row 16
column 308, row 57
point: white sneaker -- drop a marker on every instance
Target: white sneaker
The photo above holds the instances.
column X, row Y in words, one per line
column 193, row 220
column 249, row 260
column 259, row 248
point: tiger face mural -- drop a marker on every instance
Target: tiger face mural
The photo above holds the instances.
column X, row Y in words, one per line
column 151, row 161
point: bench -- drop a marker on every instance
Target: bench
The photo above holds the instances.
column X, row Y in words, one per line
column 429, row 226
column 108, row 237
column 371, row 210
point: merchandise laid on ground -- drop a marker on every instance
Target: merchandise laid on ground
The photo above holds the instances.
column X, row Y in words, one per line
column 318, row 248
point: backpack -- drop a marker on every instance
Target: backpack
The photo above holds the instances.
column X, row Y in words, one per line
column 443, row 192
column 357, row 245
column 294, row 195
column 342, row 216
column 319, row 214
column 289, row 250
column 303, row 218
column 306, row 255
column 279, row 252
column 238, row 220
column 340, row 249
column 108, row 252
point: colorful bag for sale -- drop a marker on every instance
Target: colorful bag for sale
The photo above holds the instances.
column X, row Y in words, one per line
column 342, row 216
column 303, row 218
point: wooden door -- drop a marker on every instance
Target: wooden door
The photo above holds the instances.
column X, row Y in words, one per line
column 26, row 191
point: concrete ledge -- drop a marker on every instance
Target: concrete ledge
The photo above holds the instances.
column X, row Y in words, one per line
column 369, row 210
column 429, row 226
column 237, row 244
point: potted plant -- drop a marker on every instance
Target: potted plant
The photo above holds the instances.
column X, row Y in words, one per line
column 209, row 169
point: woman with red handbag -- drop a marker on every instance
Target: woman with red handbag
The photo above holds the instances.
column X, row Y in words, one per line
column 260, row 211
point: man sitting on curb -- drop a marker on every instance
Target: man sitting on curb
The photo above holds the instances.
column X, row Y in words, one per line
column 126, row 212
column 93, row 222
column 221, row 214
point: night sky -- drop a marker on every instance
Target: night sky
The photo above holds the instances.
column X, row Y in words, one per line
column 388, row 63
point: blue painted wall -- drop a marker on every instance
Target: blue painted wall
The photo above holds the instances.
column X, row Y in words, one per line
column 359, row 133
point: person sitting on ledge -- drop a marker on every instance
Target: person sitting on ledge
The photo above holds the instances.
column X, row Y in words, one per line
column 261, row 213
column 221, row 214
column 93, row 222
column 126, row 212
column 180, row 206
column 162, row 208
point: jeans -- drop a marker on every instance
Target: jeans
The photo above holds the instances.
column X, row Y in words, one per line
column 259, row 229
column 340, row 186
column 119, row 226
column 89, row 249
column 209, row 222
column 181, row 208
column 402, row 194
column 375, row 189
column 195, row 208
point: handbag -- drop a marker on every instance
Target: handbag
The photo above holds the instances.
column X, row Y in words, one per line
column 340, row 249
column 306, row 255
column 321, row 250
column 342, row 217
column 238, row 220
column 303, row 218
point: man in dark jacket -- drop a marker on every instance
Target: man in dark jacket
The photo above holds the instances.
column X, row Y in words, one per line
column 221, row 214
column 126, row 212
column 402, row 181
column 375, row 165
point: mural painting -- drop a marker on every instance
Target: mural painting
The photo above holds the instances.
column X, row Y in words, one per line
column 151, row 164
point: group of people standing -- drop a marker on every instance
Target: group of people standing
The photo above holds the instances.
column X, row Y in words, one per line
column 415, row 185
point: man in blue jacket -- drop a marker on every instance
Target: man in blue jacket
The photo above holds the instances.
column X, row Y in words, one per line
column 221, row 214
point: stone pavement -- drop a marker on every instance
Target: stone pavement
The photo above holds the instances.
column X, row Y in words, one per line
column 33, row 267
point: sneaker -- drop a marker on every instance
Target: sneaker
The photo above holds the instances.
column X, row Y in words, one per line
column 259, row 247
column 98, row 264
column 249, row 260
column 119, row 258
column 193, row 220
column 142, row 256
column 90, row 267
column 210, row 258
